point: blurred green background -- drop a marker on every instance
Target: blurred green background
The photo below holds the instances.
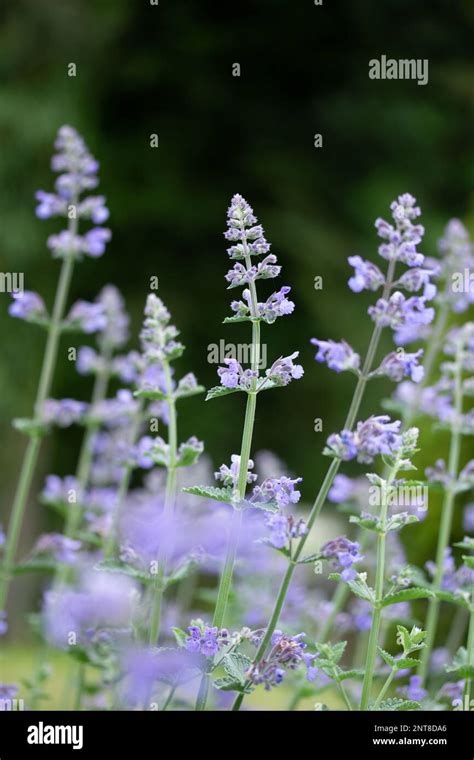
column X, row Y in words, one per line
column 167, row 69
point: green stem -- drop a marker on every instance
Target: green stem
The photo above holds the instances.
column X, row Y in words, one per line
column 470, row 660
column 31, row 455
column 344, row 695
column 99, row 393
column 169, row 698
column 170, row 501
column 225, row 582
column 384, row 689
column 447, row 510
column 110, row 543
column 379, row 588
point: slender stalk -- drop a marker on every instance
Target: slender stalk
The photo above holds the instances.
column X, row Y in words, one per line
column 344, row 696
column 470, row 660
column 170, row 501
column 384, row 689
column 447, row 510
column 124, row 485
column 377, row 611
column 99, row 393
column 225, row 582
column 44, row 386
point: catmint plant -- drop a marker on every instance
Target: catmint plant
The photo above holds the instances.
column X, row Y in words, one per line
column 250, row 251
column 77, row 174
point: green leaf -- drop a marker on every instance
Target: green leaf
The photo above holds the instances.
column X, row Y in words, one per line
column 180, row 636
column 35, row 566
column 449, row 596
column 232, row 320
column 406, row 595
column 211, row 492
column 154, row 395
column 461, row 665
column 269, row 506
column 365, row 522
column 406, row 662
column 388, row 658
column 189, row 392
column 114, row 566
column 395, row 705
column 236, row 666
column 219, row 391
column 344, row 675
column 33, row 428
column 228, row 684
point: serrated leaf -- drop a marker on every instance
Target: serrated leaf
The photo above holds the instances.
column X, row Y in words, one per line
column 219, row 391
column 406, row 662
column 394, row 704
column 386, row 657
column 114, row 566
column 344, row 675
column 269, row 506
column 236, row 666
column 232, row 320
column 228, row 684
column 406, row 595
column 460, row 665
column 191, row 392
column 211, row 492
column 365, row 522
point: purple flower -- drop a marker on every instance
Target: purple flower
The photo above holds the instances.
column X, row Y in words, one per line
column 116, row 331
column 468, row 519
column 344, row 554
column 400, row 312
column 205, row 639
column 281, row 490
column 276, row 305
column 341, row 490
column 283, row 371
column 95, row 241
column 414, row 690
column 230, row 475
column 399, row 364
column 376, row 435
column 283, row 528
column 234, row 376
column 403, row 237
column 367, row 276
column 61, row 490
column 103, row 600
column 338, row 356
column 27, row 305
column 287, row 653
column 88, row 361
column 3, row 623
column 62, row 548
column 63, row 412
column 87, row 317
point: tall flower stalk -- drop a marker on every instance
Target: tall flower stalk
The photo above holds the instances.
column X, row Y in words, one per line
column 391, row 310
column 77, row 173
column 248, row 240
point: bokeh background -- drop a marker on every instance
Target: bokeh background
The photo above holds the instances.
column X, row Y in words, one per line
column 167, row 70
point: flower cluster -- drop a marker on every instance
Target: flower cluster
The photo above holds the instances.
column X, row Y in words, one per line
column 376, row 435
column 206, row 640
column 287, row 653
column 77, row 170
column 343, row 555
